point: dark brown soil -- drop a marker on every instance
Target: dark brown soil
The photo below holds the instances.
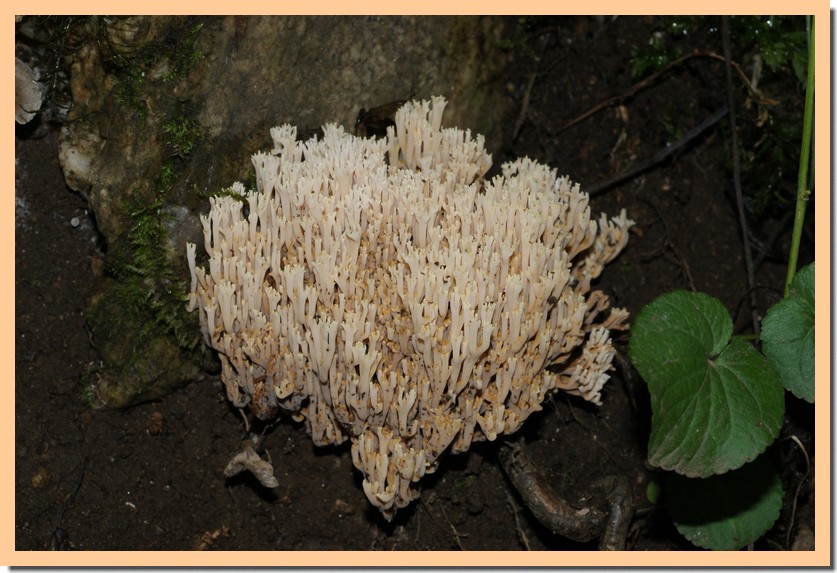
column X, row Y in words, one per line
column 150, row 477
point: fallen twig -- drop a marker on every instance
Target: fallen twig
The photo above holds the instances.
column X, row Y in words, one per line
column 515, row 509
column 206, row 540
column 527, row 97
column 798, row 487
column 661, row 155
column 60, row 538
column 642, row 84
column 246, row 421
column 668, row 245
column 524, row 107
column 456, row 535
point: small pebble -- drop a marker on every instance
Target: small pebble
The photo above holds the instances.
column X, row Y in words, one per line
column 155, row 424
column 343, row 508
column 40, row 477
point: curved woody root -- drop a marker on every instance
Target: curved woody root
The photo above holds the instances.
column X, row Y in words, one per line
column 608, row 518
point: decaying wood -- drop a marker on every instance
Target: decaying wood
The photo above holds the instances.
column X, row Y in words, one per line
column 608, row 517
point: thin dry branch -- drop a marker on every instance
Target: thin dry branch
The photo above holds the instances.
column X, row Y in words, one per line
column 736, row 175
column 644, row 83
column 660, row 156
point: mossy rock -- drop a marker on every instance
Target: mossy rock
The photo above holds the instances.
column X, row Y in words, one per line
column 140, row 361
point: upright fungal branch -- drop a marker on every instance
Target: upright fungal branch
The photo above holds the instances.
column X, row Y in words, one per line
column 384, row 292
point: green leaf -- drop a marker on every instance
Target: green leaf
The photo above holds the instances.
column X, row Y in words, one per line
column 788, row 336
column 799, row 61
column 716, row 403
column 729, row 511
column 653, row 491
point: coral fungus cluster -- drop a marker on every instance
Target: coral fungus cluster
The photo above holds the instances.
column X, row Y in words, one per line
column 384, row 292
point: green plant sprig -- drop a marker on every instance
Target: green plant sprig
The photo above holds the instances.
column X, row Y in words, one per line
column 718, row 403
column 802, row 191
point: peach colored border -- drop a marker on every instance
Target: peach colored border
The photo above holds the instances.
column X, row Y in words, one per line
column 820, row 557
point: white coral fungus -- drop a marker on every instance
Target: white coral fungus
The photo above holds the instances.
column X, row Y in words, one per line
column 384, row 292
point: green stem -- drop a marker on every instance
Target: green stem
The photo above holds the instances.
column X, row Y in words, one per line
column 746, row 336
column 802, row 191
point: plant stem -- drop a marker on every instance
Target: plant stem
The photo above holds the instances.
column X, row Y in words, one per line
column 736, row 177
column 802, row 191
column 746, row 336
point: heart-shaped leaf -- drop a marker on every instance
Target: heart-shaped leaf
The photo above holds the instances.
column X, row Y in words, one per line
column 716, row 403
column 729, row 511
column 788, row 336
